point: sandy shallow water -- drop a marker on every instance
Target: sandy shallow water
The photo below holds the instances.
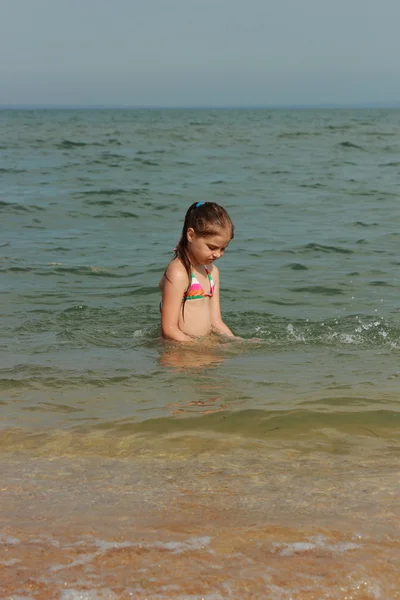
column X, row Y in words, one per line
column 202, row 516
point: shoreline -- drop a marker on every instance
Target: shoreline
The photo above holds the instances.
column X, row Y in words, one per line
column 237, row 524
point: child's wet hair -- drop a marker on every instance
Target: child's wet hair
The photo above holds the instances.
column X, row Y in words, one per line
column 206, row 219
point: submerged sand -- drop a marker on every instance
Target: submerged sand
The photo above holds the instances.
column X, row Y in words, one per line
column 203, row 517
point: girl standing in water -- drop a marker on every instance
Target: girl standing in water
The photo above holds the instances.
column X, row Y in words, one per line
column 190, row 306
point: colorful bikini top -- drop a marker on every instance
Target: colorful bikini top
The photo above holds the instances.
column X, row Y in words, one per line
column 196, row 291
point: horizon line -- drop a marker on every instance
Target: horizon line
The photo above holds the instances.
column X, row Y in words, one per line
column 337, row 105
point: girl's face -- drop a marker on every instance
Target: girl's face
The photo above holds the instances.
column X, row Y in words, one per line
column 205, row 250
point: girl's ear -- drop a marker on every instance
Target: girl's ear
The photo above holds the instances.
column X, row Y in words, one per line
column 190, row 234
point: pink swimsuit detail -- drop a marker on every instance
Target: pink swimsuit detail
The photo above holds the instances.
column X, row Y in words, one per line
column 196, row 291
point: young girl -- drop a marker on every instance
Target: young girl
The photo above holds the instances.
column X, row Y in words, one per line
column 190, row 305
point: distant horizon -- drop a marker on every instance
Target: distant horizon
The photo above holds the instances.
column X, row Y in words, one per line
column 342, row 106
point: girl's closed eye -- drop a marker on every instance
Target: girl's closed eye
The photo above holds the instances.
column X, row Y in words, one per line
column 216, row 248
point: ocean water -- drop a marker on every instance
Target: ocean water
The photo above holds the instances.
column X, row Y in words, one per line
column 136, row 468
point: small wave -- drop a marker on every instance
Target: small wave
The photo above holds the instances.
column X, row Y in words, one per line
column 71, row 144
column 34, row 227
column 355, row 330
column 112, row 192
column 318, row 289
column 200, row 123
column 107, row 154
column 19, row 208
column 297, row 267
column 86, row 271
column 158, row 207
column 298, row 134
column 19, row 270
column 52, row 407
column 339, row 127
column 60, row 269
column 59, row 380
column 362, row 224
column 324, row 248
column 287, row 303
column 350, row 145
column 57, row 249
column 147, row 162
column 124, row 437
column 122, row 214
column 380, row 284
column 380, row 133
column 316, row 185
column 144, row 152
column 379, row 194
column 9, row 383
column 143, row 291
column 100, row 202
column 68, row 144
column 13, row 171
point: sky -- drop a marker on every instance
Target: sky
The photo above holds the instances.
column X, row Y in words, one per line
column 199, row 52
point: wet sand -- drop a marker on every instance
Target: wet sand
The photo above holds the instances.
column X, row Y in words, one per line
column 245, row 521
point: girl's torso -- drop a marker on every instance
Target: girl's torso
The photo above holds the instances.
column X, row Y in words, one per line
column 195, row 316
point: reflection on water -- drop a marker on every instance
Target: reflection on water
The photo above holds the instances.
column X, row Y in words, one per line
column 205, row 389
column 203, row 354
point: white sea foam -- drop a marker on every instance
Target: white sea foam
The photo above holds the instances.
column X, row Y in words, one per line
column 195, row 543
column 8, row 540
column 105, row 594
column 315, row 543
column 175, row 547
column 297, row 336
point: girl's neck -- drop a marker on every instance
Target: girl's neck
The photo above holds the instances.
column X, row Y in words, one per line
column 194, row 263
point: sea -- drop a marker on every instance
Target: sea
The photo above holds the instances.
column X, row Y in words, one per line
column 262, row 468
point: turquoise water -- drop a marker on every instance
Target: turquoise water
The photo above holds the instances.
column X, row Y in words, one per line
column 92, row 203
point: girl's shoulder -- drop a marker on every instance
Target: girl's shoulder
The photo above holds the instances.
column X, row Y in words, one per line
column 176, row 271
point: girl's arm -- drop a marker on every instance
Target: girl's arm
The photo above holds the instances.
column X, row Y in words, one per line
column 174, row 286
column 216, row 318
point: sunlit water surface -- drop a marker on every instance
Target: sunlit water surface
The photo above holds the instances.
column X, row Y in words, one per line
column 136, row 468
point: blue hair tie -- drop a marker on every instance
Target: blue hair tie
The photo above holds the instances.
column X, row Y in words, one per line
column 198, row 204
